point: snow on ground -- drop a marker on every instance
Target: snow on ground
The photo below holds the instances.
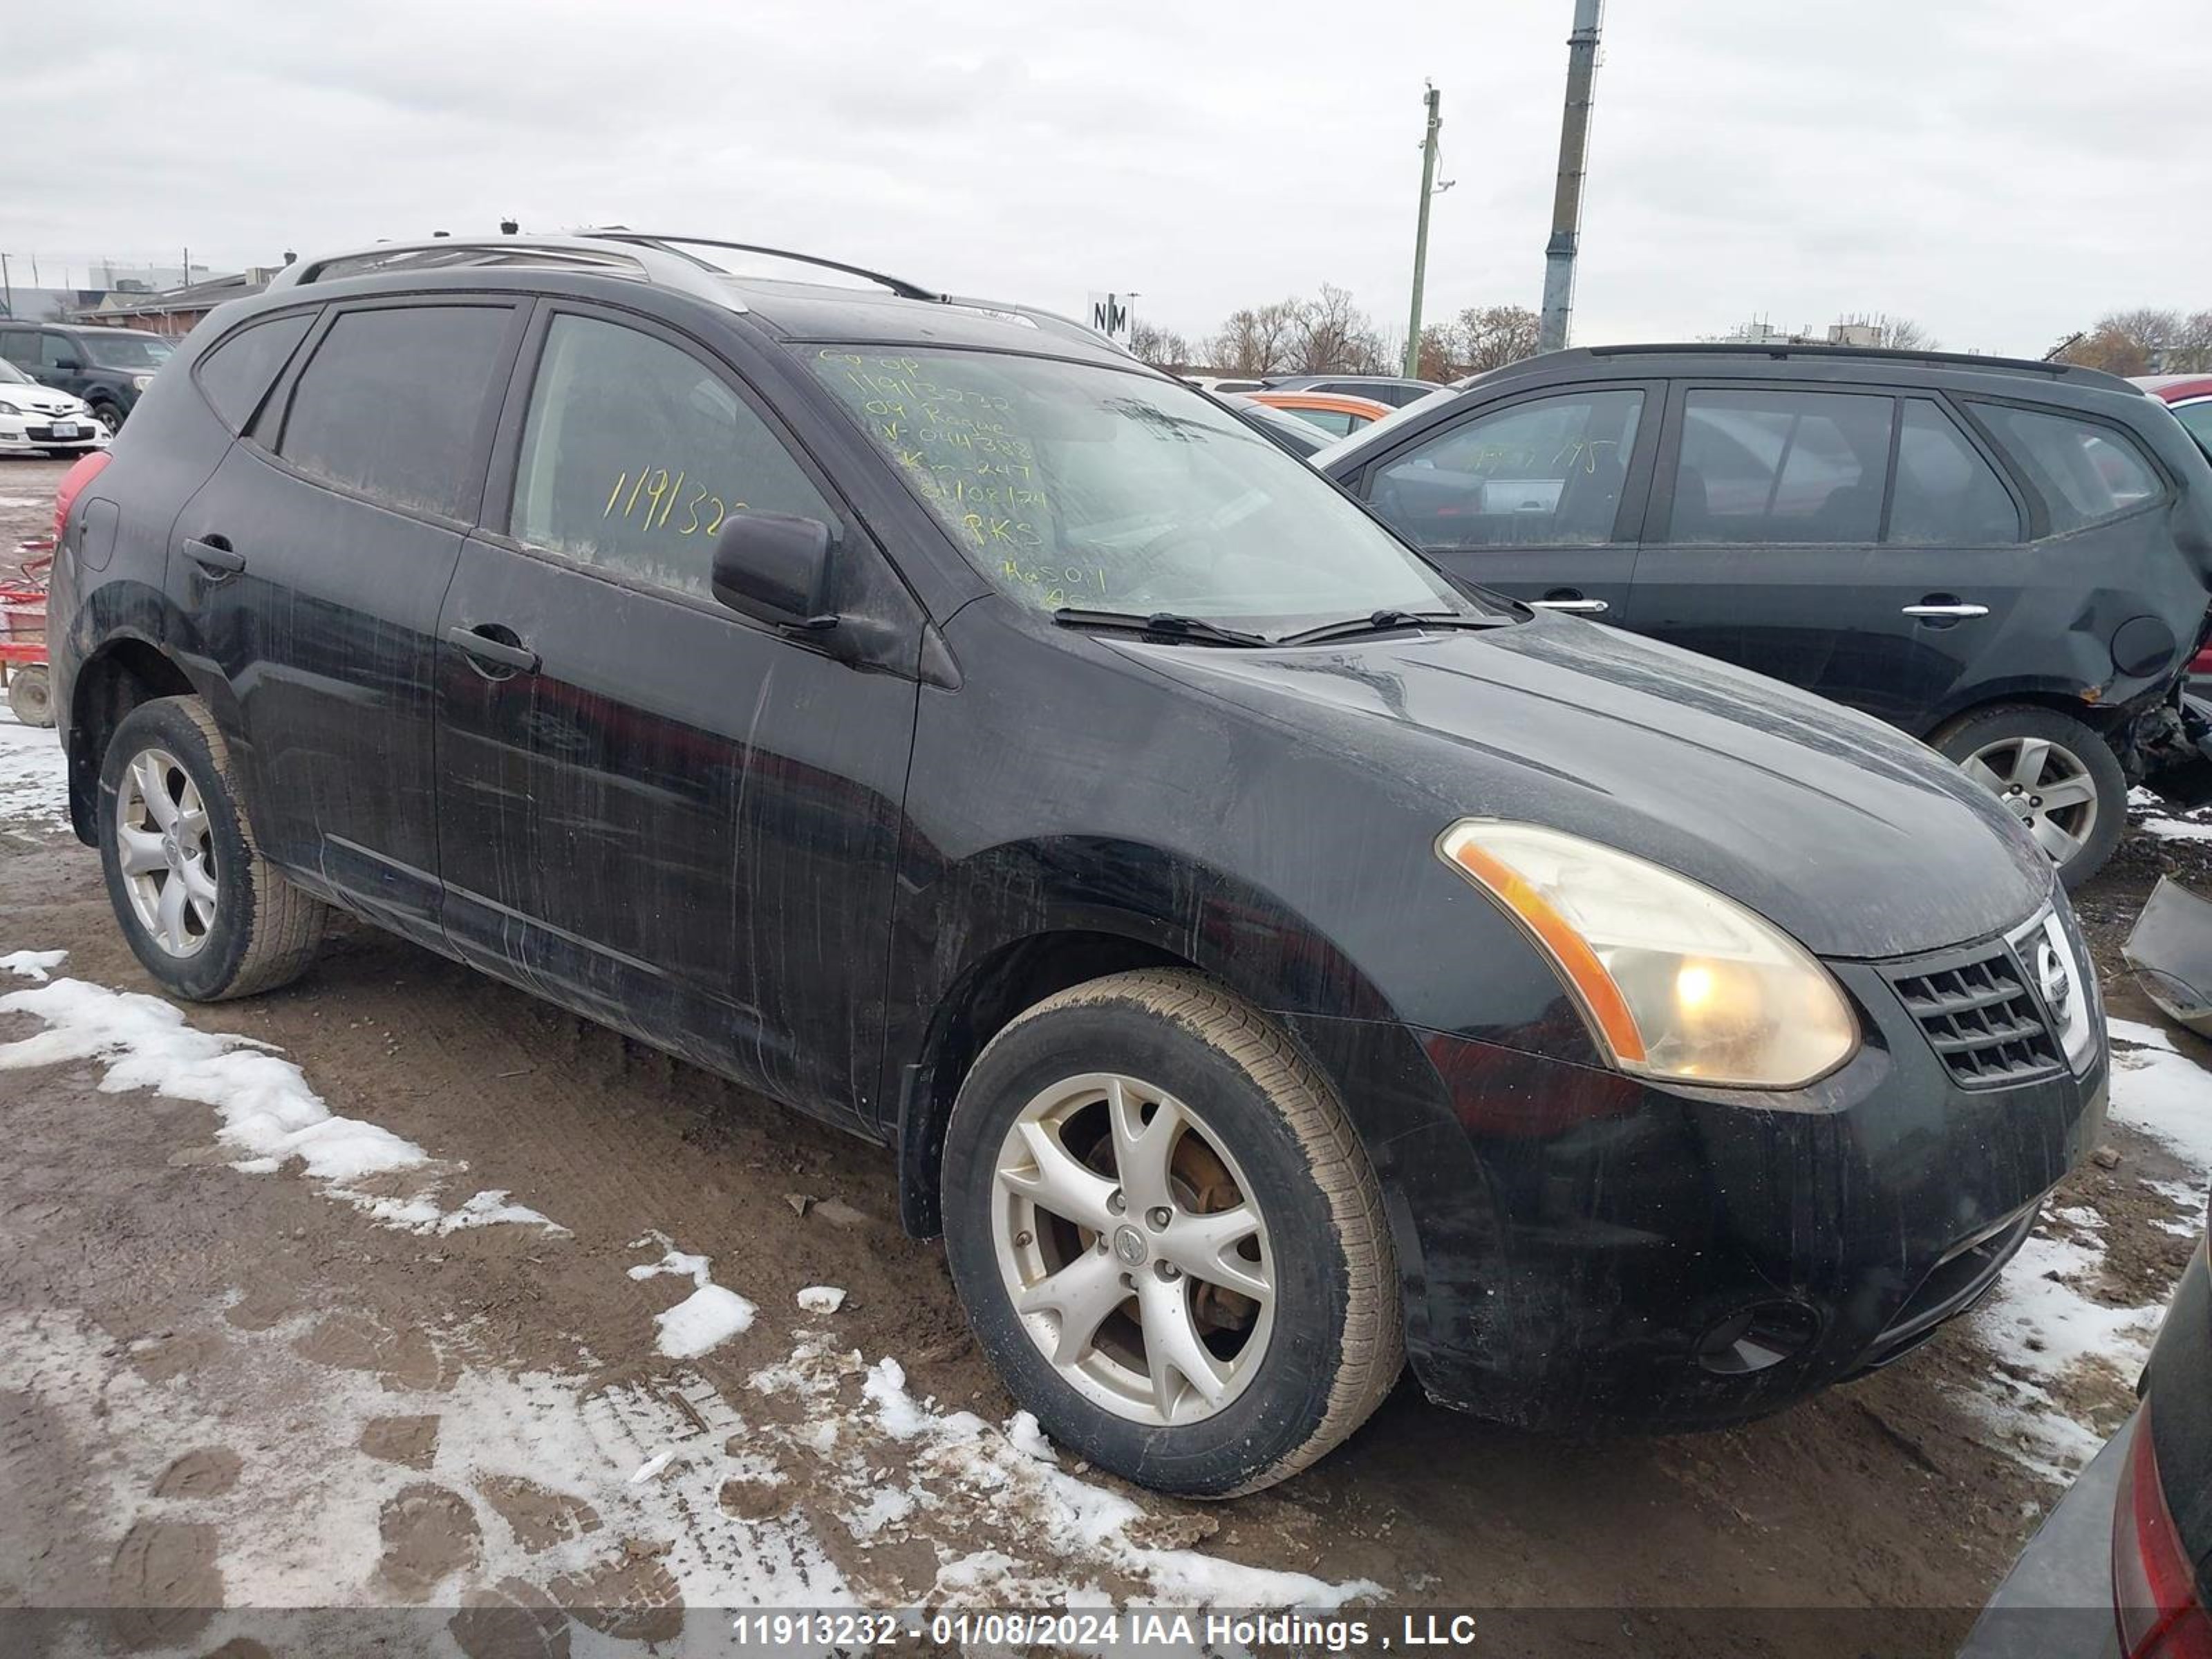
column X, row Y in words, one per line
column 33, row 775
column 2045, row 1322
column 266, row 1113
column 2162, row 1092
column 540, row 1445
column 702, row 1321
column 1005, row 1480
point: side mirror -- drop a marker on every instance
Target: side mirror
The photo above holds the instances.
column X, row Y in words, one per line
column 774, row 567
column 69, row 366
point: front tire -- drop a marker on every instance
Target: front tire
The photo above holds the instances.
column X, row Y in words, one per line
column 2060, row 778
column 1167, row 1238
column 208, row 917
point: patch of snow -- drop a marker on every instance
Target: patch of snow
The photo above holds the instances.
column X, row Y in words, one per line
column 33, row 775
column 1079, row 1519
column 1025, row 1436
column 2175, row 829
column 300, row 1529
column 264, row 1109
column 822, row 1299
column 2040, row 1320
column 2140, row 1035
column 704, row 1320
column 33, row 964
column 2168, row 1096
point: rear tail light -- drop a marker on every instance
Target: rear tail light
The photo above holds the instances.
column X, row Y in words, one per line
column 2154, row 1590
column 72, row 486
column 2201, row 662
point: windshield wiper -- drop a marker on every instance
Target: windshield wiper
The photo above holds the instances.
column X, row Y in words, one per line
column 1165, row 624
column 1381, row 622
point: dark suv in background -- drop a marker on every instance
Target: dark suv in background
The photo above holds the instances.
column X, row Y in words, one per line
column 109, row 368
column 2010, row 560
column 1269, row 961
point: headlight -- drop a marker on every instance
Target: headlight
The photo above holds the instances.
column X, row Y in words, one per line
column 1675, row 981
column 142, row 381
column 10, row 408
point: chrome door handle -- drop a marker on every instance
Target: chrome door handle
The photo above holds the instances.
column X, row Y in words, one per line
column 1572, row 607
column 1953, row 612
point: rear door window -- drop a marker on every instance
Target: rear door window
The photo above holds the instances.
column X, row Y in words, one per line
column 1946, row 494
column 2084, row 472
column 1545, row 473
column 237, row 374
column 391, row 404
column 1780, row 467
column 634, row 452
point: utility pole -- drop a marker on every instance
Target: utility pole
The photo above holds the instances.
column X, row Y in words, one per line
column 1421, row 231
column 8, row 288
column 1567, row 199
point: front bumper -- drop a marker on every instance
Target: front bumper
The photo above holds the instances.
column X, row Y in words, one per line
column 40, row 432
column 1604, row 1253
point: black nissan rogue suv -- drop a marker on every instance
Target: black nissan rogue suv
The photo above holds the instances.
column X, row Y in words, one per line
column 2010, row 560
column 1270, row 961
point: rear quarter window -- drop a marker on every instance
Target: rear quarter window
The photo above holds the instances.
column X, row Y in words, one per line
column 391, row 404
column 2085, row 472
column 236, row 375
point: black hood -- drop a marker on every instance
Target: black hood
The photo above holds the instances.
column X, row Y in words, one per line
column 1857, row 840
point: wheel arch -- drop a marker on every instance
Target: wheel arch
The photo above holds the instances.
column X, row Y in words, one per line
column 981, row 939
column 985, row 997
column 126, row 670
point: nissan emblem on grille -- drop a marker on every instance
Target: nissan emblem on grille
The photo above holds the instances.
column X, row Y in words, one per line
column 2057, row 984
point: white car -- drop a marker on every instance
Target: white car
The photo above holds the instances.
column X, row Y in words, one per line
column 38, row 417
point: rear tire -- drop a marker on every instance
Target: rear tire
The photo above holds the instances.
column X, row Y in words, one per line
column 2056, row 775
column 31, row 695
column 1247, row 1241
column 208, row 917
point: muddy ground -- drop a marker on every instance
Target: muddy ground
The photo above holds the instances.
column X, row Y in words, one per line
column 222, row 1389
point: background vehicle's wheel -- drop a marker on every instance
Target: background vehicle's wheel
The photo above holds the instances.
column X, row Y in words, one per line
column 31, row 695
column 109, row 418
column 202, row 909
column 1168, row 1239
column 2060, row 779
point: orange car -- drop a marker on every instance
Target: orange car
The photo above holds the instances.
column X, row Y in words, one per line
column 1333, row 412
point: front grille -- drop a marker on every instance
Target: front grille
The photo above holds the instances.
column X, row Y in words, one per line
column 1980, row 1017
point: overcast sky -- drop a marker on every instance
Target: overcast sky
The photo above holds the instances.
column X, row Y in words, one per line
column 1999, row 170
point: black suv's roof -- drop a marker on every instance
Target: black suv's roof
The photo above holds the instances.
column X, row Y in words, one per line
column 893, row 312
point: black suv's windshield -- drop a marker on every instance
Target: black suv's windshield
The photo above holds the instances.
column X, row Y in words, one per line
column 120, row 350
column 1081, row 486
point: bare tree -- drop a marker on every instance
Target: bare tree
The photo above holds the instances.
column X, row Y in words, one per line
column 1484, row 337
column 1256, row 340
column 1436, row 361
column 1162, row 348
column 1333, row 335
column 2128, row 342
column 1902, row 334
column 2191, row 350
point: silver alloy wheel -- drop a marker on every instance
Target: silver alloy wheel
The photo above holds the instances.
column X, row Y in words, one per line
column 2046, row 785
column 167, row 851
column 1131, row 1246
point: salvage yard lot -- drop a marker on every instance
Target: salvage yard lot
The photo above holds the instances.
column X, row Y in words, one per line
column 361, row 1294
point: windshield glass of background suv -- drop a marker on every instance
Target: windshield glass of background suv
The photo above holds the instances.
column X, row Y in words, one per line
column 127, row 350
column 1072, row 484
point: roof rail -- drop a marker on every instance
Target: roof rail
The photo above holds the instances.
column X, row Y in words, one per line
column 645, row 262
column 675, row 244
column 1880, row 354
